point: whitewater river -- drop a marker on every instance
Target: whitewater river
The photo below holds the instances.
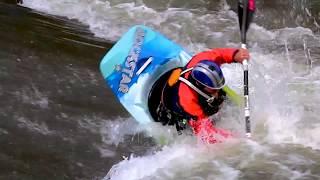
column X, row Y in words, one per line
column 59, row 120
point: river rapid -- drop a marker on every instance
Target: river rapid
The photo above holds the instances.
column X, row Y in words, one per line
column 59, row 120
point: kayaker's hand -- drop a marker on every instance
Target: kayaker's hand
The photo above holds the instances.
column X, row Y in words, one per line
column 241, row 55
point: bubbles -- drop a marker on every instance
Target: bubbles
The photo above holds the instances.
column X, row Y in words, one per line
column 174, row 162
column 38, row 127
column 32, row 95
column 114, row 132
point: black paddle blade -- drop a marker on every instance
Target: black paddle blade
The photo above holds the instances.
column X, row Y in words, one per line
column 246, row 10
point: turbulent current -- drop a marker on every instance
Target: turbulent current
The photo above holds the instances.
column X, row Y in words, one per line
column 59, row 120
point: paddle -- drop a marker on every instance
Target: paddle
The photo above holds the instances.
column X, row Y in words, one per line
column 246, row 9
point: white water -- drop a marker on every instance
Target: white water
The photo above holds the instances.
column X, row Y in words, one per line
column 283, row 93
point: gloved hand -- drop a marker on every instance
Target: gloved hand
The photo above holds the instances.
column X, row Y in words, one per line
column 205, row 130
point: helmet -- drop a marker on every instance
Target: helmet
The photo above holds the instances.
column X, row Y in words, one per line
column 208, row 74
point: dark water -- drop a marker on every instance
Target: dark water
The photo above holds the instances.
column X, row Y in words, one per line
column 53, row 100
column 49, row 82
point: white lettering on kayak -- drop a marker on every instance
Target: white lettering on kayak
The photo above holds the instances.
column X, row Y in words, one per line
column 131, row 61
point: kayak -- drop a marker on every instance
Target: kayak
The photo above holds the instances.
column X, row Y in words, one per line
column 135, row 63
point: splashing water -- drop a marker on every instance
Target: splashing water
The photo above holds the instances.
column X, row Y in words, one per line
column 283, row 80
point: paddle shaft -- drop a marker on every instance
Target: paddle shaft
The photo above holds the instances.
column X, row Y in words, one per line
column 244, row 26
column 246, row 94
